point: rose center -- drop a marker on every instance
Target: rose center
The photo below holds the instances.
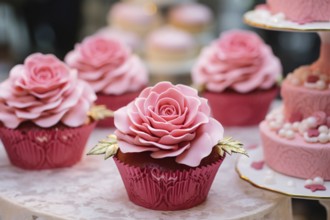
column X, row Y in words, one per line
column 44, row 74
column 167, row 110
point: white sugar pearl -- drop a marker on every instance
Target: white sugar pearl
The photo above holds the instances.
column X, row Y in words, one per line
column 274, row 125
column 287, row 126
column 308, row 182
column 282, row 132
column 310, row 139
column 323, row 138
column 289, row 134
column 295, row 126
column 302, row 128
column 295, row 81
column 311, row 122
column 318, row 180
column 320, row 84
column 323, row 129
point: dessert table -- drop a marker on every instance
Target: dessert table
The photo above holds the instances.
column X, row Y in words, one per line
column 93, row 189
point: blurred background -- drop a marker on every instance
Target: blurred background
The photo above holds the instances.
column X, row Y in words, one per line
column 54, row 26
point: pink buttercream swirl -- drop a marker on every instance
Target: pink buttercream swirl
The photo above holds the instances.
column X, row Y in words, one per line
column 108, row 65
column 238, row 60
column 168, row 121
column 45, row 91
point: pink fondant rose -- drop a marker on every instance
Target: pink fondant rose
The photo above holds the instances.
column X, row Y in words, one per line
column 45, row 91
column 239, row 60
column 168, row 121
column 108, row 65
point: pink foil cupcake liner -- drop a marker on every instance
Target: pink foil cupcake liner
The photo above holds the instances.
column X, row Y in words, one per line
column 155, row 189
column 114, row 102
column 237, row 109
column 35, row 148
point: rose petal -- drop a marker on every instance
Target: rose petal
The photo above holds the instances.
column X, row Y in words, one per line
column 158, row 145
column 8, row 117
column 173, row 153
column 121, row 120
column 48, row 121
column 77, row 115
column 162, row 125
column 144, row 135
column 171, row 140
column 207, row 137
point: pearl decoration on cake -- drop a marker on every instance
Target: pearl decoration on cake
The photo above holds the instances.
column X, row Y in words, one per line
column 312, row 128
column 318, row 180
column 289, row 134
column 310, row 139
column 323, row 138
column 311, row 79
column 287, row 126
column 321, row 85
column 311, row 122
column 308, row 182
column 282, row 132
column 295, row 126
column 323, row 129
column 274, row 125
column 295, row 81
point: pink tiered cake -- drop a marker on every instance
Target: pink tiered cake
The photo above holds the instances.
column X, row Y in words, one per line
column 296, row 137
column 302, row 11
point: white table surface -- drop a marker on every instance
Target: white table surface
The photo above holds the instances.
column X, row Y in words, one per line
column 93, row 190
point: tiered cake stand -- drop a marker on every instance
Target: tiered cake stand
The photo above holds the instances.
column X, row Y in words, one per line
column 253, row 169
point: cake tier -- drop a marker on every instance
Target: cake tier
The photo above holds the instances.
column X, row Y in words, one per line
column 302, row 102
column 295, row 157
column 302, row 11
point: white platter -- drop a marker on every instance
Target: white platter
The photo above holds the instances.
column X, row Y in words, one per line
column 268, row 179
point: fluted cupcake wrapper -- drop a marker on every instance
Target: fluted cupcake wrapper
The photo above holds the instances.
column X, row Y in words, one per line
column 240, row 109
column 36, row 148
column 113, row 102
column 157, row 189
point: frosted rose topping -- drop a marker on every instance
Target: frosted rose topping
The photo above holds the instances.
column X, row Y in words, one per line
column 239, row 60
column 168, row 121
column 45, row 91
column 108, row 65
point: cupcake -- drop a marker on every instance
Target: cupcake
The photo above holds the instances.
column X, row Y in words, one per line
column 134, row 17
column 108, row 65
column 167, row 148
column 238, row 74
column 44, row 109
column 193, row 18
column 170, row 52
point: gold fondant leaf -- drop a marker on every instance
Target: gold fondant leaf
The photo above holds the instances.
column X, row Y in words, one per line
column 107, row 146
column 230, row 146
column 99, row 112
